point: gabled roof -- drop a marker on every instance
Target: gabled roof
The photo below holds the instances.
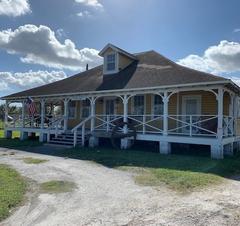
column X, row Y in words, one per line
column 117, row 49
column 150, row 69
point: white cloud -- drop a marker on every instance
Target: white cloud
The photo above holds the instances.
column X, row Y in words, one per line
column 14, row 7
column 84, row 14
column 236, row 30
column 221, row 58
column 39, row 45
column 30, row 79
column 91, row 3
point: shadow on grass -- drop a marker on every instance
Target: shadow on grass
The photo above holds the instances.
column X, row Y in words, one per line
column 109, row 157
column 16, row 143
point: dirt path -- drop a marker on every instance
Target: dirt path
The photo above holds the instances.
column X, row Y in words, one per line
column 110, row 197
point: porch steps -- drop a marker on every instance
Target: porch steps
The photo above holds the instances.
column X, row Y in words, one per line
column 66, row 139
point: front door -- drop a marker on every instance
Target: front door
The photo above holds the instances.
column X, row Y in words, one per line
column 191, row 110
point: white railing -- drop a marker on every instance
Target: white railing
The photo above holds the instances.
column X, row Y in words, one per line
column 106, row 122
column 16, row 121
column 192, row 125
column 81, row 125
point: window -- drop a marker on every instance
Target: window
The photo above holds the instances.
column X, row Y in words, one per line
column 85, row 108
column 138, row 105
column 111, row 62
column 72, row 109
column 157, row 105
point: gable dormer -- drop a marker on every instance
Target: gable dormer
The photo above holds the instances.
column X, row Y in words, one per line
column 115, row 59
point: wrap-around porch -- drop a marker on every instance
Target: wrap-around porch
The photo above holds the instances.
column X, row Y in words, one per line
column 199, row 115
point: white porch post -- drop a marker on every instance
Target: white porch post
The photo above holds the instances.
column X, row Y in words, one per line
column 23, row 114
column 165, row 113
column 125, row 142
column 93, row 112
column 6, row 115
column 164, row 146
column 66, row 101
column 220, row 113
column 42, row 113
column 217, row 147
column 231, row 113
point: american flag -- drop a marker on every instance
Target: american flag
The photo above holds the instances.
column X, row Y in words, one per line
column 31, row 106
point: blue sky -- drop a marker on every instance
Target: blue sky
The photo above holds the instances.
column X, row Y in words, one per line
column 201, row 34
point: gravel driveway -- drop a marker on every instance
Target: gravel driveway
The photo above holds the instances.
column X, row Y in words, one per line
column 110, row 197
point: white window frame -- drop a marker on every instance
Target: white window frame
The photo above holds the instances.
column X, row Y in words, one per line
column 82, row 107
column 75, row 110
column 116, row 63
column 187, row 97
column 153, row 104
column 104, row 105
column 144, row 104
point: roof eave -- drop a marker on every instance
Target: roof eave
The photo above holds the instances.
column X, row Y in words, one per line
column 223, row 82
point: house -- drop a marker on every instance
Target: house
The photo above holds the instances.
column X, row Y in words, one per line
column 142, row 96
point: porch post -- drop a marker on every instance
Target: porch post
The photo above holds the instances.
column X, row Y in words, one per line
column 66, row 101
column 231, row 113
column 42, row 113
column 6, row 114
column 165, row 113
column 125, row 111
column 220, row 113
column 165, row 146
column 217, row 147
column 23, row 114
column 125, row 142
column 93, row 112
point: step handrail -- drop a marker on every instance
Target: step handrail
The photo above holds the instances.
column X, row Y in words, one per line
column 80, row 125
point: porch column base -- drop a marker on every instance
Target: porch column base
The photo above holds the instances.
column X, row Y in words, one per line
column 217, row 151
column 43, row 137
column 24, row 135
column 164, row 147
column 228, row 149
column 126, row 143
column 93, row 142
column 8, row 134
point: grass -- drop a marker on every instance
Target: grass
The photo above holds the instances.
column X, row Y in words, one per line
column 30, row 160
column 56, row 186
column 17, row 143
column 180, row 173
column 12, row 190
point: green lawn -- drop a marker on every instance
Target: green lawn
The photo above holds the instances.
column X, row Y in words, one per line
column 181, row 173
column 12, row 190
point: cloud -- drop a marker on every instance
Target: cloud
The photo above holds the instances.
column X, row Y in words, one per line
column 236, row 30
column 39, row 45
column 30, row 79
column 14, row 8
column 91, row 3
column 84, row 14
column 221, row 58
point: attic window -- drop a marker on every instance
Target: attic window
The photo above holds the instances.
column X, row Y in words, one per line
column 111, row 62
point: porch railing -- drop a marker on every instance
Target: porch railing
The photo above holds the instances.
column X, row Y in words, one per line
column 16, row 121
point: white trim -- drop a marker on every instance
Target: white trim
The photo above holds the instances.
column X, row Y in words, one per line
column 187, row 97
column 104, row 104
column 144, row 104
column 116, row 70
column 81, row 109
column 191, row 86
column 101, row 53
column 75, row 110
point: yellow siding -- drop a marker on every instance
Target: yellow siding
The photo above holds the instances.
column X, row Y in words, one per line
column 124, row 61
column 208, row 106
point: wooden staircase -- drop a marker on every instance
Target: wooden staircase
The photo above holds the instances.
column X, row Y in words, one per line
column 66, row 139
